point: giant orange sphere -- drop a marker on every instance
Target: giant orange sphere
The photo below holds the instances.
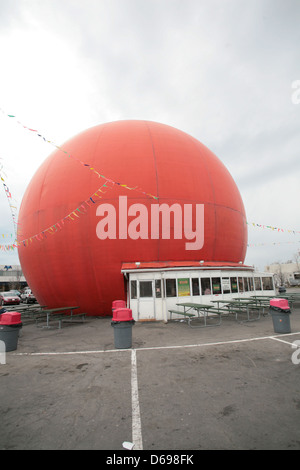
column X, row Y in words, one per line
column 88, row 209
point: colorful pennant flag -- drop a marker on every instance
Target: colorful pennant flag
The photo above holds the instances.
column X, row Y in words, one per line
column 79, row 161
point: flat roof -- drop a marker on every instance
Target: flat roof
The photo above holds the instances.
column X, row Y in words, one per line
column 174, row 265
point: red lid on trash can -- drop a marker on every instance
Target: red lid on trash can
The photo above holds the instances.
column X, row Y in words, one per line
column 10, row 318
column 122, row 314
column 280, row 303
column 119, row 304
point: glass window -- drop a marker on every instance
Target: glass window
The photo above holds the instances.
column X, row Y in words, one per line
column 246, row 284
column 171, row 287
column 183, row 287
column 241, row 284
column 133, row 293
column 158, row 290
column 226, row 285
column 250, row 282
column 267, row 283
column 205, row 286
column 195, row 286
column 257, row 283
column 145, row 288
column 216, row 285
column 234, row 285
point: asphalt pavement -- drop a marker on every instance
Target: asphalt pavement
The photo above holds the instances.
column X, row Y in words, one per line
column 234, row 386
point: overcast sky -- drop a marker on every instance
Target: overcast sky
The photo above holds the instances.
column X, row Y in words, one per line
column 220, row 70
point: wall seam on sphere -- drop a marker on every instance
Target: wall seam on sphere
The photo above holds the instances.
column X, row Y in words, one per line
column 90, row 253
column 156, row 177
column 214, row 196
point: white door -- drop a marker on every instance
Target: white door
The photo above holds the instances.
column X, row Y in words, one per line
column 146, row 300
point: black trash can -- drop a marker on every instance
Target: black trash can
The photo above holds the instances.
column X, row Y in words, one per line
column 280, row 311
column 122, row 323
column 10, row 326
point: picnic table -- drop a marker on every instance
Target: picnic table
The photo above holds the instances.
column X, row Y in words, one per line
column 28, row 312
column 203, row 309
column 239, row 305
column 264, row 299
column 54, row 313
column 289, row 297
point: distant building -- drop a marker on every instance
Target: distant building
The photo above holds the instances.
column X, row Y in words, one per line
column 287, row 274
column 11, row 277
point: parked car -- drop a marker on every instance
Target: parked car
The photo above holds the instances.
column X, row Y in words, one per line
column 8, row 298
column 16, row 292
column 27, row 296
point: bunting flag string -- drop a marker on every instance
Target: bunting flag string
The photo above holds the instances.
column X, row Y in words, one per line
column 271, row 243
column 274, row 229
column 87, row 165
column 13, row 208
column 73, row 215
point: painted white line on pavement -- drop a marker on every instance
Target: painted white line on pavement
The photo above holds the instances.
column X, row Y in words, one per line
column 150, row 348
column 135, row 405
column 281, row 340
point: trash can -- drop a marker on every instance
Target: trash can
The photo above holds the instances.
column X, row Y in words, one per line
column 118, row 304
column 10, row 325
column 122, row 323
column 2, row 310
column 280, row 311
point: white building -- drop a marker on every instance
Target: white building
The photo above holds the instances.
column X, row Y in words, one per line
column 156, row 287
column 285, row 273
column 11, row 277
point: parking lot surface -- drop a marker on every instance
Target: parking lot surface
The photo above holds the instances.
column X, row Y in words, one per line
column 234, row 386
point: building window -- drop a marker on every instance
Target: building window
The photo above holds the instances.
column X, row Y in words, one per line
column 145, row 288
column 246, row 284
column 226, row 285
column 241, row 284
column 250, row 282
column 171, row 287
column 267, row 283
column 205, row 286
column 234, row 285
column 216, row 285
column 195, row 286
column 257, row 283
column 183, row 287
column 133, row 290
column 158, row 290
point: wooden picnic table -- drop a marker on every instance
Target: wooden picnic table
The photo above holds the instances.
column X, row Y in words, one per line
column 204, row 308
